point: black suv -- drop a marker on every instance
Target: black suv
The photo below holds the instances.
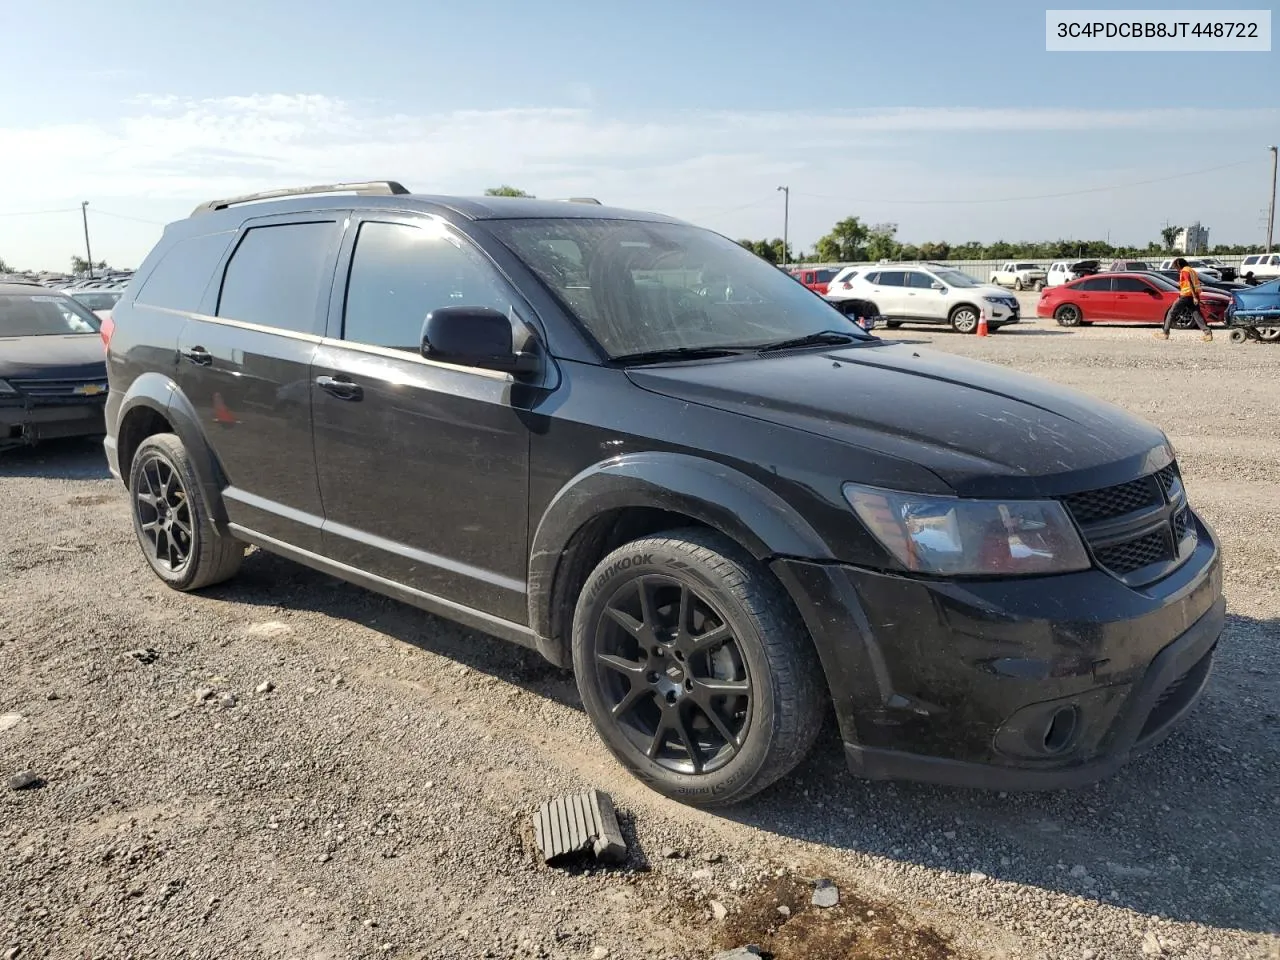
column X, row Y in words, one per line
column 658, row 460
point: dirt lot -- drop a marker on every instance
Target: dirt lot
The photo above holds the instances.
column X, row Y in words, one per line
column 373, row 802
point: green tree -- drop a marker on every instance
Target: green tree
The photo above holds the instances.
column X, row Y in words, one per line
column 80, row 265
column 1169, row 235
column 935, row 251
column 4, row 267
column 881, row 242
column 846, row 241
column 506, row 191
column 909, row 251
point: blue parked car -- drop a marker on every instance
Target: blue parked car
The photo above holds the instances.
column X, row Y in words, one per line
column 1254, row 314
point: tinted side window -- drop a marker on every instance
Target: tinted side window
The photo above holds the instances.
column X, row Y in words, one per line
column 179, row 280
column 825, row 276
column 893, row 278
column 920, row 281
column 1130, row 285
column 1095, row 284
column 400, row 273
column 276, row 275
column 870, row 277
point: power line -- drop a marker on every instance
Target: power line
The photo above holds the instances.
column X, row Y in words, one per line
column 122, row 216
column 1044, row 196
column 39, row 213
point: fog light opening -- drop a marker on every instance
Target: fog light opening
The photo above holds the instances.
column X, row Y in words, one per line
column 1060, row 730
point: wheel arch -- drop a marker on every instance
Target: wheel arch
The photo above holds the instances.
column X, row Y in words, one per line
column 154, row 404
column 619, row 500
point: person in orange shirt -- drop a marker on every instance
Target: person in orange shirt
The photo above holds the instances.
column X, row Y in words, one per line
column 1188, row 301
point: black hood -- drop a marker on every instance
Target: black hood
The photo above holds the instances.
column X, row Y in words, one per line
column 73, row 356
column 982, row 428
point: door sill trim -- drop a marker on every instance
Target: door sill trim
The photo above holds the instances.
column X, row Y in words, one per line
column 460, row 613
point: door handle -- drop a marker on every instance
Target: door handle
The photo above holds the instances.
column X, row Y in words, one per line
column 341, row 388
column 199, row 356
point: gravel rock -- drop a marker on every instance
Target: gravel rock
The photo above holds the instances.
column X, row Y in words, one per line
column 702, row 876
column 1151, row 945
column 146, row 655
column 228, row 700
column 739, row 953
column 1079, row 871
column 719, row 910
column 25, row 780
column 784, row 910
column 265, row 687
column 10, row 720
column 671, row 853
column 600, row 953
column 825, row 894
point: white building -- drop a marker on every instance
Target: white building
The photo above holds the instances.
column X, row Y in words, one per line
column 1192, row 240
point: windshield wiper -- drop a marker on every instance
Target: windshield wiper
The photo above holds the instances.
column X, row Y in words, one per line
column 679, row 353
column 811, row 339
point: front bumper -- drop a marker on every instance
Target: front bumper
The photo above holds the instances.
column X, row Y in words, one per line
column 1037, row 683
column 21, row 425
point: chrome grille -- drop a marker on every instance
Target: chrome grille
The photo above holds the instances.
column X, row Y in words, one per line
column 58, row 388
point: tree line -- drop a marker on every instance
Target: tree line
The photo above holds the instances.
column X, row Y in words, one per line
column 850, row 241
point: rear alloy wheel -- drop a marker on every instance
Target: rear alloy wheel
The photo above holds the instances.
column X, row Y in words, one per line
column 964, row 319
column 695, row 669
column 1017, row 284
column 172, row 521
column 1068, row 315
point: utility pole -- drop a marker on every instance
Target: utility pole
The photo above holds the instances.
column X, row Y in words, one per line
column 1271, row 206
column 84, row 215
column 786, row 220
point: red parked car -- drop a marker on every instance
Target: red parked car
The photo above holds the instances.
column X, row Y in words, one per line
column 1121, row 298
column 815, row 280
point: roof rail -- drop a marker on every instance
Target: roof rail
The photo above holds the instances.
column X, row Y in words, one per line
column 584, row 200
column 383, row 188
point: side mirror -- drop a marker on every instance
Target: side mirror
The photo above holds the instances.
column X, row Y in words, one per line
column 474, row 337
column 937, row 286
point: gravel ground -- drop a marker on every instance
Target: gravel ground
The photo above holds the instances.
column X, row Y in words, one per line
column 373, row 801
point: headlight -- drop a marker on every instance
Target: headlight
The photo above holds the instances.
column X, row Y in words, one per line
column 995, row 299
column 953, row 537
column 6, row 390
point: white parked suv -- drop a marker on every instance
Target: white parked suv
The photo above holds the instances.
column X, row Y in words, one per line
column 1020, row 276
column 928, row 293
column 1202, row 269
column 1260, row 267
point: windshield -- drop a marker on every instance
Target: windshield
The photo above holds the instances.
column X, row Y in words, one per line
column 955, row 278
column 43, row 315
column 97, row 301
column 642, row 287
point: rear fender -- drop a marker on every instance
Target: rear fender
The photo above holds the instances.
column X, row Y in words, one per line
column 160, row 394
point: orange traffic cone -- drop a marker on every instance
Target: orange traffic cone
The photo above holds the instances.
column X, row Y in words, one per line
column 982, row 322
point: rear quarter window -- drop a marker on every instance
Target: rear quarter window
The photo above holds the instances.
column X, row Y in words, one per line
column 179, row 280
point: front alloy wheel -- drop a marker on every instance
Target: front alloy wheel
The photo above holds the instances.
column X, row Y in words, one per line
column 695, row 668
column 964, row 320
column 672, row 674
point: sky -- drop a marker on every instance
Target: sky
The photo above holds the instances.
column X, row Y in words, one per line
column 948, row 119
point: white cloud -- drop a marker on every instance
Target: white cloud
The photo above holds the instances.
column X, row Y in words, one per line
column 163, row 153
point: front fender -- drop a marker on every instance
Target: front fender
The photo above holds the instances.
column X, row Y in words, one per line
column 161, row 395
column 711, row 493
